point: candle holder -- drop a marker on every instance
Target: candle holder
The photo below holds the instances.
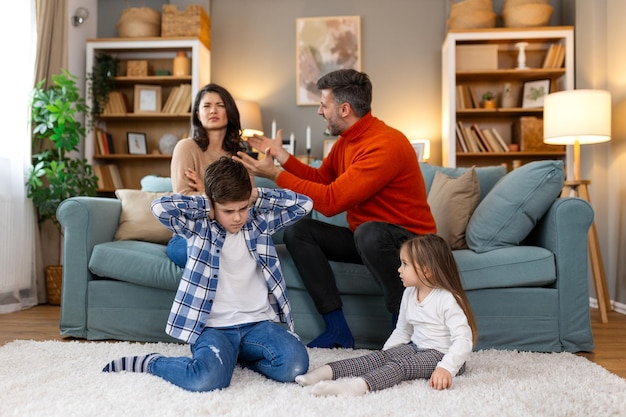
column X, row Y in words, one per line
column 521, row 56
column 308, row 156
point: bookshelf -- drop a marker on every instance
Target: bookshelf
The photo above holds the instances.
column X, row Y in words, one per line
column 165, row 110
column 481, row 60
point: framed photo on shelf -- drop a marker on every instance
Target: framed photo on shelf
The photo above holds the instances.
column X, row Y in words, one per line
column 137, row 144
column 324, row 44
column 147, row 98
column 534, row 93
column 419, row 150
column 328, row 144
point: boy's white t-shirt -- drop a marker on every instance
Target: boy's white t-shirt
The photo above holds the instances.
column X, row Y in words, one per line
column 242, row 294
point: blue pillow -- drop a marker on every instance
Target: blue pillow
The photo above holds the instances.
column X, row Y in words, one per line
column 155, row 184
column 510, row 211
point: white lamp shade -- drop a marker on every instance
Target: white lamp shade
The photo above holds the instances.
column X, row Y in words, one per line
column 577, row 115
column 250, row 117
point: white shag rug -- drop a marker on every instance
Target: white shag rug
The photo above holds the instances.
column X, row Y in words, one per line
column 64, row 378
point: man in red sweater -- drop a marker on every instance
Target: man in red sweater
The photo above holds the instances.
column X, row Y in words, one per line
column 372, row 174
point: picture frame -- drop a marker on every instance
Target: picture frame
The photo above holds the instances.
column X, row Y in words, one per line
column 147, row 99
column 534, row 93
column 419, row 150
column 137, row 143
column 324, row 44
column 287, row 146
column 328, row 144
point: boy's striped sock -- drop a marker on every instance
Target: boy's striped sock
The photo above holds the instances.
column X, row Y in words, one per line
column 131, row 363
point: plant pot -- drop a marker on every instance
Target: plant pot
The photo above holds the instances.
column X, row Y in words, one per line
column 489, row 104
column 54, row 284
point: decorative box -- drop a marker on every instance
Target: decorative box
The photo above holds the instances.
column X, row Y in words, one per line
column 528, row 132
column 193, row 21
column 136, row 68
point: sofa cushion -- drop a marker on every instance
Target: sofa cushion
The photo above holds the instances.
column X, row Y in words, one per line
column 136, row 219
column 487, row 176
column 514, row 266
column 141, row 263
column 452, row 201
column 512, row 208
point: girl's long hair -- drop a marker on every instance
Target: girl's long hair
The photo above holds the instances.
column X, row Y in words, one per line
column 432, row 255
column 233, row 141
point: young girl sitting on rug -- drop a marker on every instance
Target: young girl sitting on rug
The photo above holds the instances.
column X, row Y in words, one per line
column 228, row 233
column 432, row 339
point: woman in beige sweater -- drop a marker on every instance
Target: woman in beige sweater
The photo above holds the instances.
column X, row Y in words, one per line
column 216, row 132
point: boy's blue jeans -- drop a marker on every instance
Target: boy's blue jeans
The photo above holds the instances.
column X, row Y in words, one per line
column 265, row 347
column 176, row 250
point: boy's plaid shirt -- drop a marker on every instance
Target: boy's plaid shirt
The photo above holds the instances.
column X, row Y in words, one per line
column 188, row 216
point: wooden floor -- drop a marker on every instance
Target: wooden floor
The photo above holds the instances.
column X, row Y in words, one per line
column 42, row 323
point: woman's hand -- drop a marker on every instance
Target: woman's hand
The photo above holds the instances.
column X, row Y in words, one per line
column 195, row 182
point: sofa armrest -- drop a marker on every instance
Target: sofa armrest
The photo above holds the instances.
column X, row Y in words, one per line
column 564, row 230
column 86, row 221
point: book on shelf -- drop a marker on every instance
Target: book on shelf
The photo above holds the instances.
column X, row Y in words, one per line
column 105, row 182
column 461, row 143
column 184, row 103
column 116, row 104
column 170, row 100
column 481, row 138
column 97, row 170
column 555, row 57
column 116, row 178
column 104, row 142
column 466, row 97
column 500, row 139
column 493, row 142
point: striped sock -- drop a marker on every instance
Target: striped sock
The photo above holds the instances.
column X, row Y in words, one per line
column 131, row 363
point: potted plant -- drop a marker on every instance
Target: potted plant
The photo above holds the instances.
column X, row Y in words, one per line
column 489, row 100
column 102, row 82
column 56, row 174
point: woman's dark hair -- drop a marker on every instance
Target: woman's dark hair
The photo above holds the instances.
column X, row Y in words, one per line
column 227, row 180
column 232, row 142
column 349, row 86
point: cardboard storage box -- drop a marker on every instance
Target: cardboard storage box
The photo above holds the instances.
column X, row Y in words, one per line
column 476, row 57
column 528, row 133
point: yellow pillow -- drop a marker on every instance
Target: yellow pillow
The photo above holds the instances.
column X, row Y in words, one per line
column 452, row 201
column 136, row 219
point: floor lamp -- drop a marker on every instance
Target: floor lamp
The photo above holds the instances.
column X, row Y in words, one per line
column 581, row 117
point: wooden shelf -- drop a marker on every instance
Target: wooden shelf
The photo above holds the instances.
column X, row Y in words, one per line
column 494, row 50
column 159, row 54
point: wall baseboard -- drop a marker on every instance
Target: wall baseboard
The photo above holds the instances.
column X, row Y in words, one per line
column 617, row 306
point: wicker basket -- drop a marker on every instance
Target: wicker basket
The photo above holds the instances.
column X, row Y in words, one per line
column 139, row 22
column 527, row 15
column 54, row 283
column 193, row 21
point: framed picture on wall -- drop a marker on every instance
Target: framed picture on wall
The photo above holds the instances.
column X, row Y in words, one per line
column 137, row 143
column 534, row 93
column 324, row 44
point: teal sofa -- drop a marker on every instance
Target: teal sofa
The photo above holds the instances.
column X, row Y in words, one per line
column 526, row 279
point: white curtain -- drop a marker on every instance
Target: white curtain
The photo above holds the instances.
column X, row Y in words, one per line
column 18, row 289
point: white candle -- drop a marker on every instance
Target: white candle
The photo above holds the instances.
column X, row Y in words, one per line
column 292, row 141
column 308, row 138
column 273, row 128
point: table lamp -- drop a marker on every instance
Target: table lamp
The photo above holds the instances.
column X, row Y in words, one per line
column 250, row 117
column 577, row 117
column 581, row 117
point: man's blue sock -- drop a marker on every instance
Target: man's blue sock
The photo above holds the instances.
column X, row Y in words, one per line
column 337, row 333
